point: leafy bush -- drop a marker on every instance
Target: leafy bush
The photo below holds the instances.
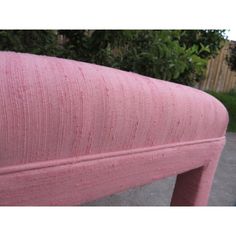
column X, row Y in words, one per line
column 176, row 55
column 229, row 101
column 31, row 41
column 231, row 58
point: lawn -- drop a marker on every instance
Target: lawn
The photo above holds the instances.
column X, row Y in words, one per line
column 229, row 101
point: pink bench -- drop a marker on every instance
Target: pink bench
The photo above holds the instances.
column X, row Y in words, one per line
column 72, row 132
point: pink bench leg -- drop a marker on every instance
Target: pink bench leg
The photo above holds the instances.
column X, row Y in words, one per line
column 192, row 188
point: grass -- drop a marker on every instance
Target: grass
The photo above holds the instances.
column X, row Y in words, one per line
column 229, row 101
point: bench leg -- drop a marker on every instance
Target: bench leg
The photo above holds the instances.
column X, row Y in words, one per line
column 192, row 188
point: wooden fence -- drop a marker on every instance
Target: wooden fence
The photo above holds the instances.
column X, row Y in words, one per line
column 219, row 77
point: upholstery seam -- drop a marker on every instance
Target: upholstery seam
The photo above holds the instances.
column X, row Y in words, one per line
column 96, row 157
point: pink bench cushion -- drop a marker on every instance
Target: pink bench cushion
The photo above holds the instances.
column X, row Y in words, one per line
column 56, row 111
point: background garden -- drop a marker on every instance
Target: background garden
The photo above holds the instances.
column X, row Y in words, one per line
column 180, row 56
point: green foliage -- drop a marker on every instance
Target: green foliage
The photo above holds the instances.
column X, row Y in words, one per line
column 31, row 41
column 231, row 59
column 229, row 101
column 208, row 41
column 176, row 55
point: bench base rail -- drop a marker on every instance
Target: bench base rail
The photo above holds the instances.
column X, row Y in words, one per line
column 78, row 180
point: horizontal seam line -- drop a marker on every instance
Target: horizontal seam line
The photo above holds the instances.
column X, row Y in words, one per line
column 94, row 157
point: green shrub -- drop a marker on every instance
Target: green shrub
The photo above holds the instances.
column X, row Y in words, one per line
column 231, row 58
column 180, row 56
column 229, row 101
column 176, row 55
column 30, row 41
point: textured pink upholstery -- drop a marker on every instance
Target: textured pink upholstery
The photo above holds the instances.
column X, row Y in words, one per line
column 72, row 132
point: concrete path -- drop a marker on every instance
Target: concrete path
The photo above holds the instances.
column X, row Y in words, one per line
column 159, row 193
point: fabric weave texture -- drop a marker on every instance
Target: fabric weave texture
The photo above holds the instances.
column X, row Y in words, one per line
column 56, row 112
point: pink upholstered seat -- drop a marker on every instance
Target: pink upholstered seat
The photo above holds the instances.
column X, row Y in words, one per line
column 72, row 132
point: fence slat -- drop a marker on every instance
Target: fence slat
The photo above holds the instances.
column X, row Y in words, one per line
column 219, row 77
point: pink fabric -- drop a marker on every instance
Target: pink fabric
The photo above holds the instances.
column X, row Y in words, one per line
column 72, row 132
